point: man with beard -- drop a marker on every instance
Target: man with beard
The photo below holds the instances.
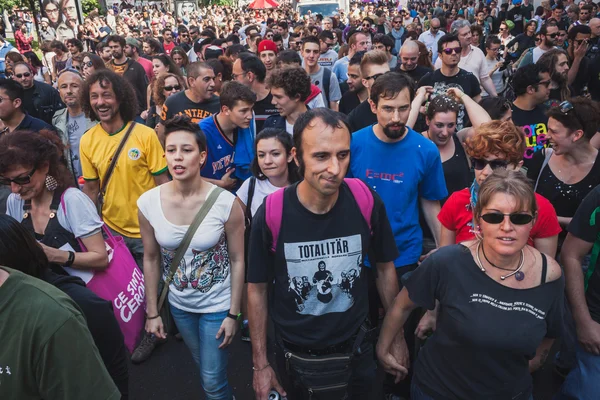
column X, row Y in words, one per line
column 579, row 73
column 450, row 75
column 132, row 51
column 198, row 101
column 405, row 170
column 550, row 32
column 357, row 93
column 129, row 69
column 557, row 63
column 230, row 132
column 141, row 166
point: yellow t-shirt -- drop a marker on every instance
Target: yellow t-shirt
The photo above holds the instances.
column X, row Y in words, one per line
column 141, row 159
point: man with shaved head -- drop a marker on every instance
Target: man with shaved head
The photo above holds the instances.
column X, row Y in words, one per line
column 594, row 48
column 408, row 61
column 431, row 37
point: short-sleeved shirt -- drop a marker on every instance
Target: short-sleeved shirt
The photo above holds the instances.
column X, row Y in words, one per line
column 202, row 283
column 334, row 91
column 534, row 124
column 319, row 294
column 463, row 80
column 180, row 104
column 401, row 173
column 141, row 159
column 327, row 59
column 263, row 109
column 456, row 216
column 486, row 332
column 262, row 188
column 56, row 358
column 585, row 225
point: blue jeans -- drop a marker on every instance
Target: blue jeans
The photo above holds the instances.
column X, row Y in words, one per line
column 199, row 332
column 583, row 382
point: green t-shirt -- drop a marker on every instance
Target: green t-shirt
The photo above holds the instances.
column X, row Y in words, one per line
column 46, row 349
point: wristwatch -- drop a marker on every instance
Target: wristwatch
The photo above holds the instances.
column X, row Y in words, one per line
column 234, row 317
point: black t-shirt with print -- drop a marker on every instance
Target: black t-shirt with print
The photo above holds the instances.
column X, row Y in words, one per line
column 417, row 73
column 463, row 80
column 263, row 109
column 585, row 225
column 486, row 332
column 180, row 104
column 534, row 124
column 517, row 15
column 319, row 296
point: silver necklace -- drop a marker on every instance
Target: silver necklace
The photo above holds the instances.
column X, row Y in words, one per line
column 517, row 272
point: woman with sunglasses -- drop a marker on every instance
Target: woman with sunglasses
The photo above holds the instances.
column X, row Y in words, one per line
column 90, row 64
column 570, row 169
column 488, row 288
column 161, row 64
column 44, row 201
column 505, row 38
column 166, row 85
column 41, row 73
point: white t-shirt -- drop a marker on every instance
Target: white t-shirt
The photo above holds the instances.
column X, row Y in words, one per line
column 202, row 283
column 537, row 53
column 262, row 189
column 81, row 219
column 474, row 62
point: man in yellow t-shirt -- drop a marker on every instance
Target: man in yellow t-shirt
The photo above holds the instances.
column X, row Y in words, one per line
column 140, row 167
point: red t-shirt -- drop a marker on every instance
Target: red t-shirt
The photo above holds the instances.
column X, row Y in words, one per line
column 168, row 47
column 456, row 215
column 147, row 65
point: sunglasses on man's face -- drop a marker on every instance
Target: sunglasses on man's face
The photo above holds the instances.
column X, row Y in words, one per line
column 496, row 218
column 480, row 164
column 450, row 50
column 25, row 75
column 19, row 180
column 552, row 35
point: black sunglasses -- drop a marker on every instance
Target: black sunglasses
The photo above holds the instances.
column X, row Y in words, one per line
column 450, row 50
column 19, row 180
column 25, row 74
column 170, row 88
column 480, row 164
column 374, row 77
column 552, row 35
column 496, row 218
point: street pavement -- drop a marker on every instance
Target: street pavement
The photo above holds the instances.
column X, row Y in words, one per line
column 170, row 374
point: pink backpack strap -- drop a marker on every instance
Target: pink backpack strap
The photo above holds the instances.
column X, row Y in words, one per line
column 364, row 198
column 274, row 215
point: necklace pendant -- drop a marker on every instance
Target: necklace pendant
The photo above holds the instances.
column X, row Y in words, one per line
column 519, row 276
column 502, row 277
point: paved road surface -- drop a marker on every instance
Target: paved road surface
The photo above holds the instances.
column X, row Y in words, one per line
column 170, row 374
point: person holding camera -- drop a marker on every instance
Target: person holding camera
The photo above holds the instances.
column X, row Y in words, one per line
column 495, row 64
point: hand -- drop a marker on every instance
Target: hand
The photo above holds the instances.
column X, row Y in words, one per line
column 227, row 182
column 424, row 91
column 54, row 255
column 580, row 50
column 144, row 114
column 228, row 328
column 456, row 93
column 156, row 327
column 265, row 380
column 426, row 325
column 498, row 65
column 395, row 360
column 424, row 256
column 589, row 336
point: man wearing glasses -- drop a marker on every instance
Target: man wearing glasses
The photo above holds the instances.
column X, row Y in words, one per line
column 328, row 57
column 397, row 33
column 430, row 38
column 450, row 75
column 531, row 84
column 550, row 34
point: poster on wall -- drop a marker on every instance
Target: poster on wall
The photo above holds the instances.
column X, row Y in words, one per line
column 184, row 8
column 64, row 16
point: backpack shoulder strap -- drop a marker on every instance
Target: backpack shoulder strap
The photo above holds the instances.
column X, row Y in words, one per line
column 364, row 198
column 274, row 215
column 547, row 154
column 326, row 82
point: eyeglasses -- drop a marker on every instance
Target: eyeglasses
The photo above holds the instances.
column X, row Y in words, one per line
column 4, row 99
column 545, row 83
column 496, row 218
column 51, row 11
column 552, row 35
column 366, row 26
column 330, row 45
column 234, row 76
column 501, row 29
column 374, row 77
column 171, row 88
column 19, row 180
column 397, row 22
column 24, row 74
column 77, row 67
column 455, row 50
column 581, row 41
column 88, row 64
column 565, row 107
column 538, row 39
column 480, row 164
column 435, row 28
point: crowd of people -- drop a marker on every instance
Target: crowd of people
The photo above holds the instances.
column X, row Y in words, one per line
column 407, row 188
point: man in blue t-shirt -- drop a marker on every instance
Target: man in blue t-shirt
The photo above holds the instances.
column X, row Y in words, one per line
column 405, row 169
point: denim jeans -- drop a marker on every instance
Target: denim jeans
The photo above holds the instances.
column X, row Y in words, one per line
column 583, row 382
column 199, row 332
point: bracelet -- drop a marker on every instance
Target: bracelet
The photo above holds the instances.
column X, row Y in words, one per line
column 156, row 316
column 260, row 369
column 70, row 260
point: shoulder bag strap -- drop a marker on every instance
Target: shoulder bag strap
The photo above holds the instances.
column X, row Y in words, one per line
column 111, row 168
column 274, row 215
column 251, row 189
column 185, row 242
column 547, row 154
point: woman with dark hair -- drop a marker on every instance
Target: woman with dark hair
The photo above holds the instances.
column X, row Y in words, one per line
column 424, row 56
column 497, row 107
column 20, row 251
column 166, row 84
column 51, row 11
column 44, row 201
column 12, row 57
column 223, row 69
column 41, row 72
column 90, row 64
column 180, row 58
column 161, row 64
column 206, row 291
column 488, row 289
column 61, row 56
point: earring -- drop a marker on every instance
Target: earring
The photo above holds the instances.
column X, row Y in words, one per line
column 51, row 183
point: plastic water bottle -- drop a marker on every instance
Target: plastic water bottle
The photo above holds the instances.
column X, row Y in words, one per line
column 274, row 395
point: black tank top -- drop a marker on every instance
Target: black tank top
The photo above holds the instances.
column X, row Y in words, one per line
column 457, row 173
